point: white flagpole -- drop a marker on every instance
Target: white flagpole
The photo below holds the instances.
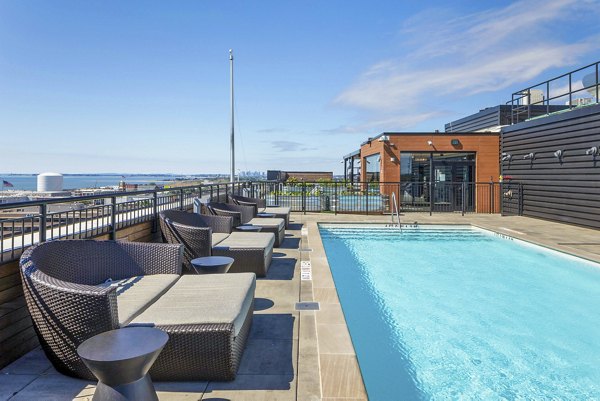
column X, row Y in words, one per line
column 232, row 144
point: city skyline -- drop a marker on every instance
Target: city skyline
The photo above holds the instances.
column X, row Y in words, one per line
column 144, row 87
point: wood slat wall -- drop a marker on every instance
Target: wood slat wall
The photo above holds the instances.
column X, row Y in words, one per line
column 566, row 190
column 17, row 335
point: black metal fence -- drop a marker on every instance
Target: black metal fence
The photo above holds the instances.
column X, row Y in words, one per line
column 580, row 87
column 26, row 223
column 376, row 197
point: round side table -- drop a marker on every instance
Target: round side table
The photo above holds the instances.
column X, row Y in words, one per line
column 248, row 228
column 212, row 264
column 121, row 359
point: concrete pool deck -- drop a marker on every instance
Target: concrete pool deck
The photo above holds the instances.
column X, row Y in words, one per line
column 295, row 355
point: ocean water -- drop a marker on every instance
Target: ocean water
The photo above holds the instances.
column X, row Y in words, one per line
column 29, row 182
column 446, row 313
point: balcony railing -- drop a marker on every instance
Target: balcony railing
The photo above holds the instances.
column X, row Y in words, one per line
column 26, row 223
column 580, row 87
column 375, row 197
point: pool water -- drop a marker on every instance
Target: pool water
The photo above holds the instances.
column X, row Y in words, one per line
column 454, row 312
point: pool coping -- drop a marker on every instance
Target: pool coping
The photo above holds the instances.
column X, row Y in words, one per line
column 341, row 357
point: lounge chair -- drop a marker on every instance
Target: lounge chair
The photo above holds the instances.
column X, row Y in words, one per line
column 204, row 235
column 247, row 215
column 76, row 289
column 260, row 206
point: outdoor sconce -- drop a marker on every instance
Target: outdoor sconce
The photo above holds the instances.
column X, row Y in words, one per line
column 393, row 159
column 430, row 143
column 506, row 157
column 558, row 154
column 529, row 156
column 592, row 151
column 454, row 142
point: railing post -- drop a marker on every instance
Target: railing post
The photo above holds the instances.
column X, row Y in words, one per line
column 335, row 196
column 303, row 197
column 277, row 193
column 113, row 218
column 431, row 197
column 42, row 223
column 520, row 199
column 155, row 211
column 367, row 200
column 501, row 189
column 211, row 193
column 463, row 196
column 181, row 199
column 492, row 194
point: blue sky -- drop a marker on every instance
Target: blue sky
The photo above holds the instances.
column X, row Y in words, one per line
column 142, row 87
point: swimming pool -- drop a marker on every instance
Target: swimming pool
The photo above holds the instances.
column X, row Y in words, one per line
column 456, row 312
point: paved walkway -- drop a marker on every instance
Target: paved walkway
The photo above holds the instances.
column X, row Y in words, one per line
column 292, row 355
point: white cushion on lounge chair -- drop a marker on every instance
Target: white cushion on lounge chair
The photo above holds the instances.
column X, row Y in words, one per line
column 268, row 222
column 218, row 237
column 247, row 240
column 202, row 299
column 277, row 210
column 135, row 294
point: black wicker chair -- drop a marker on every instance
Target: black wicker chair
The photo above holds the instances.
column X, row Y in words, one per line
column 247, row 215
column 260, row 206
column 70, row 300
column 203, row 235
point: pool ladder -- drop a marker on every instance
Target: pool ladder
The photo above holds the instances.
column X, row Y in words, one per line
column 395, row 212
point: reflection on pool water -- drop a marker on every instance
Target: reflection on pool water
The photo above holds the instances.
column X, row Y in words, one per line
column 454, row 312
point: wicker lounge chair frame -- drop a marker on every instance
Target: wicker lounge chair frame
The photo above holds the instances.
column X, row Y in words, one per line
column 67, row 307
column 194, row 232
column 258, row 205
column 242, row 215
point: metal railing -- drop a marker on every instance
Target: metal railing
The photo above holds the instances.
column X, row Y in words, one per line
column 375, row 197
column 562, row 90
column 26, row 223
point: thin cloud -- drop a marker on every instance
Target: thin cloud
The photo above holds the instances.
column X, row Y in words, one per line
column 453, row 56
column 272, row 130
column 290, row 146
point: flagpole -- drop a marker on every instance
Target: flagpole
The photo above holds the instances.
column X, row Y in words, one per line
column 232, row 140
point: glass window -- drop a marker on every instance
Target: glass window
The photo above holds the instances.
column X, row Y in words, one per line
column 373, row 167
column 414, row 167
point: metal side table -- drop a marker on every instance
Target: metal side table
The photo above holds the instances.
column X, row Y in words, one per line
column 248, row 228
column 121, row 359
column 212, row 264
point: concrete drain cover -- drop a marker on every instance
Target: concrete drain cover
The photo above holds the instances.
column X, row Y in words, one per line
column 307, row 306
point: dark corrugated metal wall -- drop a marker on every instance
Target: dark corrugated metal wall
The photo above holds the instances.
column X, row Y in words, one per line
column 568, row 189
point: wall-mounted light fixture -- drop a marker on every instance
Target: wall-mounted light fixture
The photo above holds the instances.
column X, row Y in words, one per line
column 592, row 151
column 455, row 142
column 529, row 156
column 558, row 154
column 430, row 143
column 506, row 157
column 393, row 159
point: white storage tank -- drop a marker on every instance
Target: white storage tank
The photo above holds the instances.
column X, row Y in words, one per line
column 49, row 182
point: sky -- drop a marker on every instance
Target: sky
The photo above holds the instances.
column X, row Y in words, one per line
column 143, row 86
